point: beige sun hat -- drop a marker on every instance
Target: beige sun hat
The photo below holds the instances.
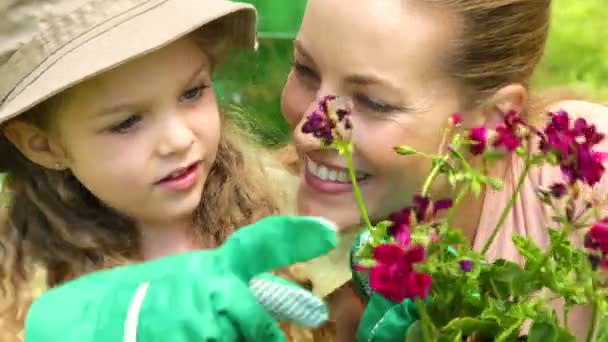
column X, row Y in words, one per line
column 84, row 38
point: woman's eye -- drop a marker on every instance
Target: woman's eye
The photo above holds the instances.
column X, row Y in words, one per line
column 303, row 70
column 192, row 95
column 126, row 125
column 374, row 104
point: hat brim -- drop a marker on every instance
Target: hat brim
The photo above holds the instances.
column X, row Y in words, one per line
column 109, row 47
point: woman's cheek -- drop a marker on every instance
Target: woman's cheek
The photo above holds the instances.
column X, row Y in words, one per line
column 293, row 101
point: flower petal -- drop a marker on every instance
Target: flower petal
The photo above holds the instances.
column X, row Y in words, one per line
column 388, row 254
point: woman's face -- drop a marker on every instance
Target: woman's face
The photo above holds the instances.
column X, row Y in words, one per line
column 387, row 56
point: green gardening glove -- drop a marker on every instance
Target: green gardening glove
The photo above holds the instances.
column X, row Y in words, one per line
column 191, row 297
column 383, row 320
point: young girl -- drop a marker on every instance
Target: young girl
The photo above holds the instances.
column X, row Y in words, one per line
column 113, row 146
column 407, row 65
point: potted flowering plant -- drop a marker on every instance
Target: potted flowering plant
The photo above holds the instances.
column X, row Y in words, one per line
column 417, row 254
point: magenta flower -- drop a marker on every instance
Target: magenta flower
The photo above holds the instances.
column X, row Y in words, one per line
column 479, row 138
column 323, row 122
column 506, row 138
column 423, row 208
column 573, row 147
column 394, row 276
column 597, row 237
column 507, row 135
column 402, row 234
column 455, row 120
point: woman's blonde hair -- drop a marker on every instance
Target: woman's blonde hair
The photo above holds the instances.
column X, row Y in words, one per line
column 50, row 221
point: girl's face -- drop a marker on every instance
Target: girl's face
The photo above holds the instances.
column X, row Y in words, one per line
column 387, row 57
column 143, row 137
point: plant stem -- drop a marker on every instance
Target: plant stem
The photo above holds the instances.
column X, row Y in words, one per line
column 434, row 173
column 459, row 197
column 357, row 191
column 594, row 320
column 509, row 206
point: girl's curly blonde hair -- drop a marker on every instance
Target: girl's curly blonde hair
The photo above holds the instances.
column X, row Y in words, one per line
column 53, row 229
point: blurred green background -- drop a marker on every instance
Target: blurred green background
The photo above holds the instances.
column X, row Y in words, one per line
column 576, row 57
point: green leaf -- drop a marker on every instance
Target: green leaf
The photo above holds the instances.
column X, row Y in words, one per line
column 521, row 151
column 468, row 325
column 366, row 251
column 476, row 187
column 493, row 155
column 495, row 183
column 528, row 249
column 381, row 229
column 506, row 279
column 367, row 262
column 414, row 332
column 548, row 332
column 405, row 150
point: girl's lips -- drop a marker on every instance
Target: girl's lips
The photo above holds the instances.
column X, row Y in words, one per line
column 181, row 180
column 327, row 186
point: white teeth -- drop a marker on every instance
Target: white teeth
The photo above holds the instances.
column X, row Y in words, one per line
column 332, row 175
column 323, row 172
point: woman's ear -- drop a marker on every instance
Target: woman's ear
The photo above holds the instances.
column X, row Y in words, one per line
column 512, row 97
column 35, row 144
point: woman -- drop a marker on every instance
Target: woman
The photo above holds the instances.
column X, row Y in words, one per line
column 407, row 65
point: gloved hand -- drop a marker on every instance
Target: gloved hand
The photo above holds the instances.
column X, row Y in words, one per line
column 191, row 297
column 383, row 320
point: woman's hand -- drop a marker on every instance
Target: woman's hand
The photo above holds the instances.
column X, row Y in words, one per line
column 198, row 296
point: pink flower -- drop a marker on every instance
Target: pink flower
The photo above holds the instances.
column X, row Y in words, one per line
column 394, row 276
column 455, row 120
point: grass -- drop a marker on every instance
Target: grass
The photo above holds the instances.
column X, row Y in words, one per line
column 577, row 50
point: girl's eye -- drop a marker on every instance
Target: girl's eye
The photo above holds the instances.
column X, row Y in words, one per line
column 126, row 125
column 304, row 71
column 375, row 104
column 192, row 95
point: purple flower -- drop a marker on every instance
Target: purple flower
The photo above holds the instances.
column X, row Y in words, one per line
column 558, row 190
column 573, row 147
column 479, row 137
column 394, row 276
column 466, row 265
column 320, row 127
column 323, row 123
